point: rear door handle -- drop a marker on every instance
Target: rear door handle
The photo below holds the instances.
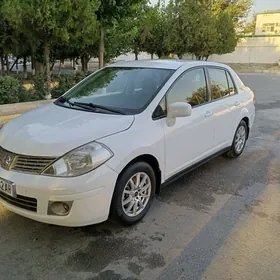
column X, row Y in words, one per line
column 237, row 103
column 208, row 114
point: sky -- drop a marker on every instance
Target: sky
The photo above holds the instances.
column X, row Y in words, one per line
column 262, row 5
column 259, row 6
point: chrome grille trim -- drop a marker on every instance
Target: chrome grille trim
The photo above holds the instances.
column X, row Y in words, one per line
column 24, row 163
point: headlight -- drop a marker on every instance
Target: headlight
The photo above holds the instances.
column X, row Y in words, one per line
column 79, row 161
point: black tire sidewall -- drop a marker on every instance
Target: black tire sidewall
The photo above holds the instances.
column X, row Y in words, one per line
column 116, row 207
column 233, row 149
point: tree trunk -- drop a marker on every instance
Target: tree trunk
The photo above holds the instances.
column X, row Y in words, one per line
column 74, row 65
column 7, row 64
column 84, row 60
column 32, row 65
column 206, row 57
column 2, row 65
column 136, row 54
column 152, row 56
column 83, row 63
column 24, row 68
column 52, row 66
column 47, row 67
column 15, row 62
column 38, row 68
column 59, row 67
column 101, row 47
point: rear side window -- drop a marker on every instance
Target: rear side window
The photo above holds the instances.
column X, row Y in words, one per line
column 239, row 84
column 219, row 83
column 231, row 86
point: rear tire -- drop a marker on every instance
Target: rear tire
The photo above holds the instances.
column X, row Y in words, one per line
column 134, row 193
column 239, row 140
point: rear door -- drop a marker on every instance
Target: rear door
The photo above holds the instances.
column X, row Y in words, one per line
column 226, row 105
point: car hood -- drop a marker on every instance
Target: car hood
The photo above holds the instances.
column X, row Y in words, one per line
column 53, row 130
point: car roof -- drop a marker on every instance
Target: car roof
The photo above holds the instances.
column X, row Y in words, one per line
column 173, row 64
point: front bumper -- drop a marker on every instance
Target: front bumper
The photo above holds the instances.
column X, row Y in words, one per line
column 91, row 195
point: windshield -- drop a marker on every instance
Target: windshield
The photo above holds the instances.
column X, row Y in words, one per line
column 128, row 90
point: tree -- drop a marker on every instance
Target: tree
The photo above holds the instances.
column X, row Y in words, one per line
column 250, row 27
column 238, row 10
column 194, row 29
column 6, row 40
column 226, row 35
column 154, row 35
column 203, row 31
column 108, row 13
column 46, row 22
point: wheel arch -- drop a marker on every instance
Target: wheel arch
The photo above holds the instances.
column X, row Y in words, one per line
column 153, row 162
column 247, row 121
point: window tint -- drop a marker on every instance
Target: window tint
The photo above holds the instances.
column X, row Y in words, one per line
column 219, row 83
column 160, row 110
column 230, row 84
column 190, row 87
column 127, row 89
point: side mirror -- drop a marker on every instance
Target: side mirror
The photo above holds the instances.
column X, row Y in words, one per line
column 179, row 110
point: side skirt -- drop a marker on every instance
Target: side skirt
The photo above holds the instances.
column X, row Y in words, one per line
column 193, row 167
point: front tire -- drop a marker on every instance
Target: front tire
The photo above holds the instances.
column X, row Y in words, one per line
column 239, row 141
column 134, row 193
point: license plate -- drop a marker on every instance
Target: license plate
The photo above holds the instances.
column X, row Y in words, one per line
column 8, row 187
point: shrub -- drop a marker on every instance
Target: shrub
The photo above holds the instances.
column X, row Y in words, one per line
column 65, row 82
column 24, row 95
column 10, row 90
column 40, row 90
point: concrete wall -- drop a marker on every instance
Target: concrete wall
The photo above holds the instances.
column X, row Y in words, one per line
column 249, row 50
column 265, row 50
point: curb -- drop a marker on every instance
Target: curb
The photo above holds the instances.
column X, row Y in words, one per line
column 19, row 108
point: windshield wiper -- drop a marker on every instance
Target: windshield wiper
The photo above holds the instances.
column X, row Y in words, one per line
column 96, row 106
column 65, row 100
column 89, row 106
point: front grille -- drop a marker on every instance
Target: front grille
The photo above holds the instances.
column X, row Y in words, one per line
column 24, row 202
column 31, row 164
column 23, row 163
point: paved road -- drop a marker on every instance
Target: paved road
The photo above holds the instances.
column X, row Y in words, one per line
column 222, row 221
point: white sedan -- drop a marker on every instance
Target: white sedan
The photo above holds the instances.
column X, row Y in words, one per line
column 107, row 145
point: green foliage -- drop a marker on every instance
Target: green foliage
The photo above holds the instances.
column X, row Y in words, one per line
column 40, row 89
column 48, row 22
column 110, row 10
column 25, row 95
column 203, row 28
column 250, row 26
column 10, row 89
column 65, row 82
column 194, row 28
column 51, row 30
column 238, row 10
column 227, row 39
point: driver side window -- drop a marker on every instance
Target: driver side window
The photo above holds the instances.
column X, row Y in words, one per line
column 190, row 87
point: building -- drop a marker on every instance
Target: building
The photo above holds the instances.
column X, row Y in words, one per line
column 268, row 23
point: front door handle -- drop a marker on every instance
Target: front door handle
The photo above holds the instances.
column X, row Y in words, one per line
column 208, row 114
column 237, row 103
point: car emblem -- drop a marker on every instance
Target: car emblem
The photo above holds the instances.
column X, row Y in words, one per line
column 7, row 161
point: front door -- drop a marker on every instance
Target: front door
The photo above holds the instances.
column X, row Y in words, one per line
column 189, row 139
